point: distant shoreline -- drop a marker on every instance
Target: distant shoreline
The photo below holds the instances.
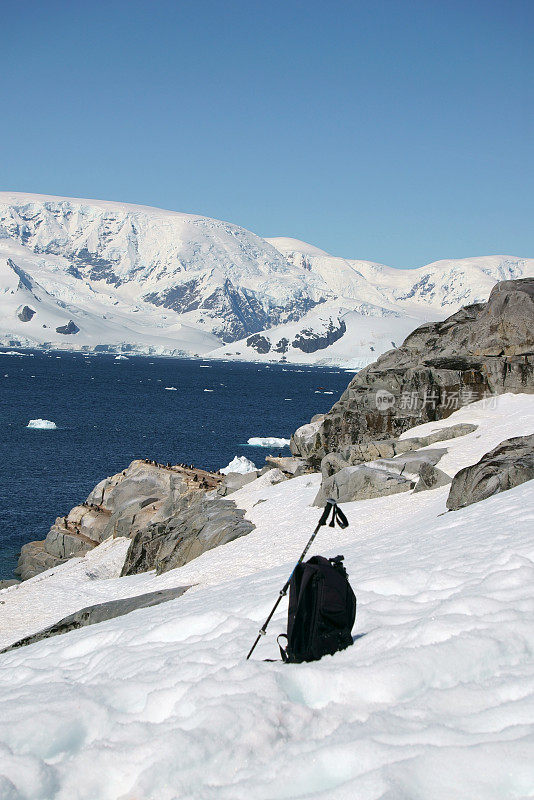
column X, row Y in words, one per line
column 7, row 350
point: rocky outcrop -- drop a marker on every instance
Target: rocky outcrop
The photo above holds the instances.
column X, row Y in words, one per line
column 362, row 483
column 131, row 502
column 411, row 470
column 310, row 341
column 290, row 466
column 430, row 477
column 34, row 559
column 5, row 584
column 389, row 448
column 484, row 349
column 506, row 466
column 259, row 343
column 100, row 613
column 25, row 314
column 233, row 481
column 197, row 522
column 69, row 329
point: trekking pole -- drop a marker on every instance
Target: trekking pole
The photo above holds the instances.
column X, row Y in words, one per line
column 337, row 516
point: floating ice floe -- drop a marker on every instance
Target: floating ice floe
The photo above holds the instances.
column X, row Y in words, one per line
column 42, row 424
column 240, row 464
column 171, row 388
column 121, row 358
column 267, row 441
column 209, row 390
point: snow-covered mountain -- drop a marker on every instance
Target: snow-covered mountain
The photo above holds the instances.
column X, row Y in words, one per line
column 96, row 274
column 41, row 303
column 329, row 335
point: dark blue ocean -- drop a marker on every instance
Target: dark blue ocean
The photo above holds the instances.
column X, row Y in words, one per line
column 109, row 412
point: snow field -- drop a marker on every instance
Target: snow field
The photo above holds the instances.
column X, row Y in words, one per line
column 434, row 701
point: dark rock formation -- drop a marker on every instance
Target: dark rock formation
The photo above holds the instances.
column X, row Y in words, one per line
column 25, row 314
column 282, row 346
column 508, row 465
column 241, row 311
column 69, row 329
column 482, row 350
column 310, row 341
column 100, row 613
column 430, row 477
column 25, row 282
column 197, row 523
column 259, row 343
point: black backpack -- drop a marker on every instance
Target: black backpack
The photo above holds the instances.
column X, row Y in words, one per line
column 322, row 610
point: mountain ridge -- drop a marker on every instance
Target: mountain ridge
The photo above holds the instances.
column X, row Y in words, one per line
column 141, row 278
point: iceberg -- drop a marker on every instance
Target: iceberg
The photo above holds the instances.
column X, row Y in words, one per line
column 171, row 388
column 42, row 424
column 240, row 464
column 267, row 441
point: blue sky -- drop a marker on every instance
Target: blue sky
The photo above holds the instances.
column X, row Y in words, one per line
column 396, row 131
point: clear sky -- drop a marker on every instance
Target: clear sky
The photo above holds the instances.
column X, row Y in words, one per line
column 399, row 131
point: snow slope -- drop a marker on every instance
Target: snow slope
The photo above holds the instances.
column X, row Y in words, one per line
column 442, row 287
column 55, row 297
column 149, row 280
column 434, row 700
column 330, row 336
